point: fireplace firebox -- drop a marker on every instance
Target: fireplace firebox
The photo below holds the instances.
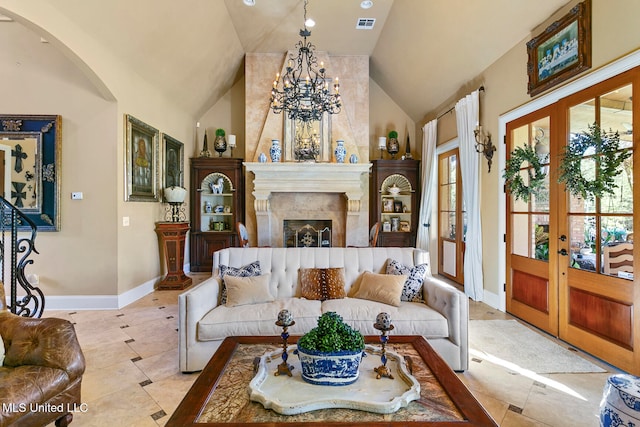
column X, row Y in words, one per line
column 314, row 233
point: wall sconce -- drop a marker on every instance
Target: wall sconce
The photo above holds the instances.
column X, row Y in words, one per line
column 484, row 144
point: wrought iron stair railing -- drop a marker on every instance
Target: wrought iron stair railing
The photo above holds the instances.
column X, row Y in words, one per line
column 14, row 258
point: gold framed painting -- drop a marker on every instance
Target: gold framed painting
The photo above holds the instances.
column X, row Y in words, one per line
column 562, row 51
column 141, row 161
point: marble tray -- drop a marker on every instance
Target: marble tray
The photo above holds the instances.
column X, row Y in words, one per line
column 292, row 395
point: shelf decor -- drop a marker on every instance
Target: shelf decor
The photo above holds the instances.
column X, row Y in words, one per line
column 562, row 51
column 602, row 150
column 513, row 172
column 220, row 143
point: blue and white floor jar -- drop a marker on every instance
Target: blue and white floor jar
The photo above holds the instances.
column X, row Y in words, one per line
column 620, row 405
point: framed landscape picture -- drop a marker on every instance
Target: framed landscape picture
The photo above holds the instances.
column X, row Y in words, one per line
column 141, row 161
column 562, row 51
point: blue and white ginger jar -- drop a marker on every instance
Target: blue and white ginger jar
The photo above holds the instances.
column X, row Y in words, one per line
column 275, row 151
column 340, row 152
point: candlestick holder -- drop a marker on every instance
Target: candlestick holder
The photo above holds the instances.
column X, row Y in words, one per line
column 383, row 324
column 285, row 319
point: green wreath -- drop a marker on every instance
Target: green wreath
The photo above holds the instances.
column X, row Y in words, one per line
column 604, row 149
column 514, row 182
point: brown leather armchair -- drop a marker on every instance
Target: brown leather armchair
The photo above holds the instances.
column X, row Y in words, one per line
column 41, row 375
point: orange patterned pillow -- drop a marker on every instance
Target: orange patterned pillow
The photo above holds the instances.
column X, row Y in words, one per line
column 322, row 283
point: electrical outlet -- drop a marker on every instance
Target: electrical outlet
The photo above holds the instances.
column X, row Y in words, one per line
column 76, row 195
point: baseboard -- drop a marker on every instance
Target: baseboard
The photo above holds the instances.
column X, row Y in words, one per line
column 99, row 302
column 492, row 300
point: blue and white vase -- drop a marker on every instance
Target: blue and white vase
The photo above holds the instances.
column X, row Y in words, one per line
column 340, row 152
column 353, row 159
column 275, row 151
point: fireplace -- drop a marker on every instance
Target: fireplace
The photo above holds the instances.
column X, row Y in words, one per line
column 311, row 191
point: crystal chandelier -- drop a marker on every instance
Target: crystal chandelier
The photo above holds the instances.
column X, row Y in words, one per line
column 304, row 91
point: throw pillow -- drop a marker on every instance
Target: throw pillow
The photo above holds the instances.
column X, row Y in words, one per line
column 248, row 290
column 384, row 288
column 412, row 290
column 322, row 283
column 248, row 270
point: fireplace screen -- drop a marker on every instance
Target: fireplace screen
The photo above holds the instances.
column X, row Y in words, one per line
column 307, row 233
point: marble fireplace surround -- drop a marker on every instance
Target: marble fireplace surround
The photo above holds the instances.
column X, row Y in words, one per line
column 304, row 177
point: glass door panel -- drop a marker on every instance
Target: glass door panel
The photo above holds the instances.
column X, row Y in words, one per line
column 451, row 232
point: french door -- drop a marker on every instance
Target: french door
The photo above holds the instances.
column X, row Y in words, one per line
column 532, row 236
column 452, row 218
column 571, row 260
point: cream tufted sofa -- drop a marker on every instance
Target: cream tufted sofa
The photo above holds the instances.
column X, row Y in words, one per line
column 442, row 318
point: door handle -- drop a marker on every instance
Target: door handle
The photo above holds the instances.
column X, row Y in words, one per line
column 563, row 238
column 563, row 252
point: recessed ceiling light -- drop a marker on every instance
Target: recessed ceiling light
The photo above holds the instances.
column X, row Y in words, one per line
column 249, row 2
column 366, row 4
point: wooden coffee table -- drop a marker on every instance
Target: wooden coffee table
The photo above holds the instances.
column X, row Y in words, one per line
column 220, row 396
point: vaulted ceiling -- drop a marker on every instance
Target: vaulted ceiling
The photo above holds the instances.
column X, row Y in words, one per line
column 421, row 51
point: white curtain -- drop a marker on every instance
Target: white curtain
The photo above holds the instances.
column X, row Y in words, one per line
column 429, row 137
column 467, row 115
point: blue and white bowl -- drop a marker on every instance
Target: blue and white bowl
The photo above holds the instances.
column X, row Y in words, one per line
column 334, row 369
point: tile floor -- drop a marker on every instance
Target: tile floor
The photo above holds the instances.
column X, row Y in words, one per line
column 132, row 376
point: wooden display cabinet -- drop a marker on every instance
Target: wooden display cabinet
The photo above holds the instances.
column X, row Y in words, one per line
column 396, row 210
column 217, row 203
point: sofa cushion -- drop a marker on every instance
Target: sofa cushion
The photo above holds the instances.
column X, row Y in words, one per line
column 248, row 290
column 258, row 319
column 412, row 290
column 251, row 269
column 322, row 283
column 409, row 318
column 383, row 288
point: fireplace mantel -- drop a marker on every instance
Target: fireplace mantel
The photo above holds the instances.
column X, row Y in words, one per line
column 305, row 177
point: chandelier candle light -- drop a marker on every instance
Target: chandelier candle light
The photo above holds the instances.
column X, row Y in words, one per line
column 303, row 92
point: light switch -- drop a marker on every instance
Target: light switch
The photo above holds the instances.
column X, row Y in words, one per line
column 125, row 221
column 76, row 195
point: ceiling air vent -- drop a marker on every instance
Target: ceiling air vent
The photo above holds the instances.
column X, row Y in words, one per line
column 365, row 23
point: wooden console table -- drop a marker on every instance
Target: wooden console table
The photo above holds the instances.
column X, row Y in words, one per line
column 171, row 237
